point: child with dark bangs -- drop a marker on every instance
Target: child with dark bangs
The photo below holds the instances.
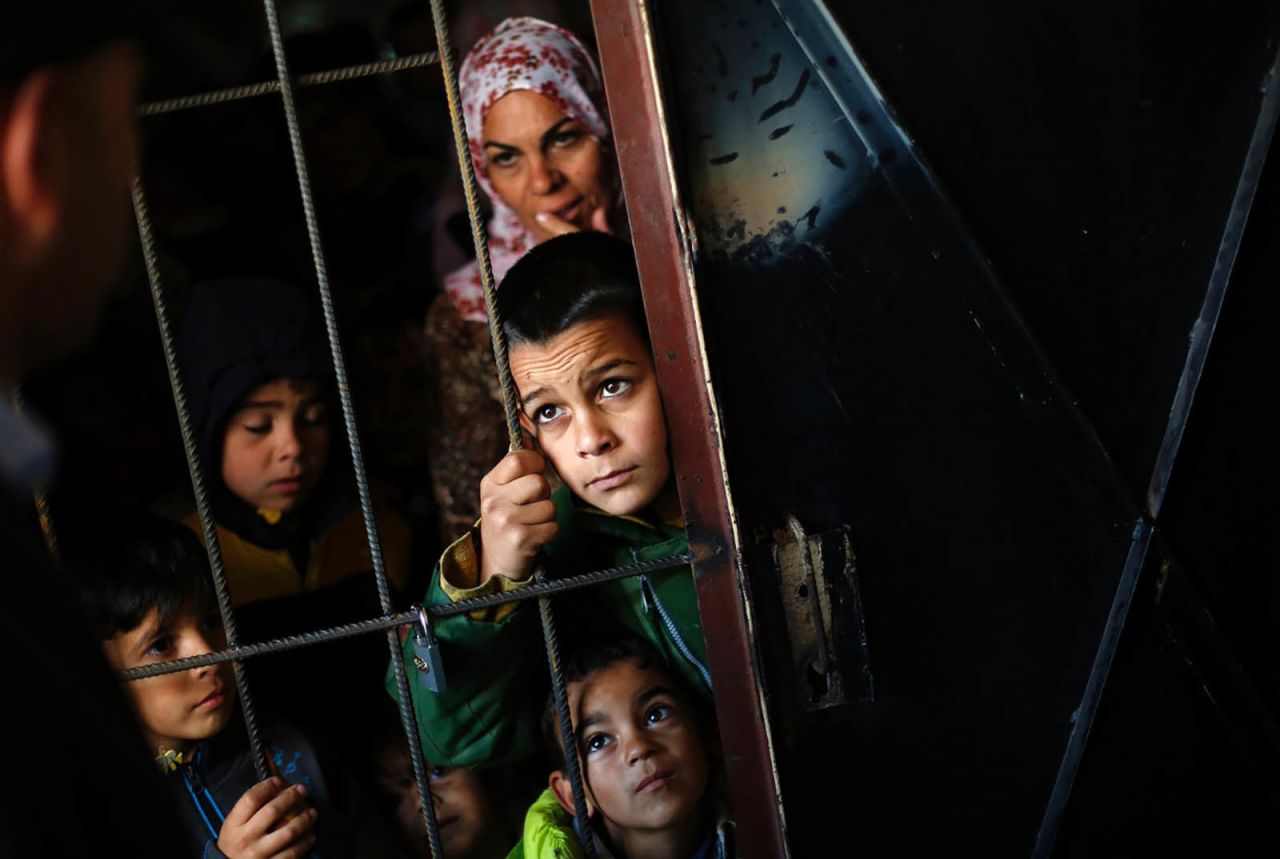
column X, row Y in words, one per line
column 147, row 594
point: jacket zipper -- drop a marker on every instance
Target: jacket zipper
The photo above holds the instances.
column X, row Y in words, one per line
column 649, row 599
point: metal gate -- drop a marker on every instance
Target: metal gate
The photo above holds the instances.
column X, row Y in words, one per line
column 732, row 681
column 928, row 372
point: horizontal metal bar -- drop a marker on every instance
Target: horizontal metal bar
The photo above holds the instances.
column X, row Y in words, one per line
column 377, row 624
column 275, row 645
column 548, row 587
column 382, row 67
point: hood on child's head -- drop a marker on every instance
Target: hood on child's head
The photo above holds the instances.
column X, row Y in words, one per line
column 237, row 334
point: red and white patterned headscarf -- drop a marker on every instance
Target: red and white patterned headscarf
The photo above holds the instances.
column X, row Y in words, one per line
column 521, row 54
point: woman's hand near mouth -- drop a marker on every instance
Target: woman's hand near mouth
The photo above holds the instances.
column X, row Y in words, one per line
column 557, row 226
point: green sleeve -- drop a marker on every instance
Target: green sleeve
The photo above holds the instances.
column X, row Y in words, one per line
column 490, row 711
column 494, row 666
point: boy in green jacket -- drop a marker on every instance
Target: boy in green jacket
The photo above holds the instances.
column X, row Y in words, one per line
column 573, row 317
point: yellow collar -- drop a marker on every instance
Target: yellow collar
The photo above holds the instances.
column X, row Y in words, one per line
column 169, row 760
column 272, row 517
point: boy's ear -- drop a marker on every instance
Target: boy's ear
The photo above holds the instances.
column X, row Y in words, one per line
column 30, row 153
column 560, row 785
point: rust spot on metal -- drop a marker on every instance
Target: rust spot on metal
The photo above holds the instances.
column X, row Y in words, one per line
column 704, row 546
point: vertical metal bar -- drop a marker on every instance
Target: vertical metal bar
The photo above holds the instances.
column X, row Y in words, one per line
column 348, row 415
column 1091, row 700
column 196, row 470
column 1255, row 159
column 465, row 168
column 664, row 257
column 581, row 822
column 515, row 435
column 410, row 726
column 326, row 302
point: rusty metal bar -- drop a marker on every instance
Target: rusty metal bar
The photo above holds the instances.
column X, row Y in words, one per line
column 538, row 590
column 239, row 93
column 510, row 399
column 625, row 38
column 405, row 705
column 195, row 469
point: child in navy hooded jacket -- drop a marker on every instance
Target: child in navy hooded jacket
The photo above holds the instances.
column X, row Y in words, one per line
column 259, row 380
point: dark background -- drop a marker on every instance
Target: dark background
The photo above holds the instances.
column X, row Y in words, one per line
column 978, row 377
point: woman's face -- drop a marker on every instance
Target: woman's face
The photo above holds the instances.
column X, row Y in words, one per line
column 541, row 161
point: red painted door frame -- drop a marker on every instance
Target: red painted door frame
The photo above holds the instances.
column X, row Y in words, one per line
column 625, row 39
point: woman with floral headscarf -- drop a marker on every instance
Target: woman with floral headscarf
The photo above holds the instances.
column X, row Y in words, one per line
column 538, row 133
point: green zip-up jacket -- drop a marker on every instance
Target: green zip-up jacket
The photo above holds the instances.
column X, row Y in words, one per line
column 548, row 832
column 494, row 661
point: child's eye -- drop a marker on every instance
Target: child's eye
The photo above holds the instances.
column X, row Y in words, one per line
column 615, row 387
column 257, row 427
column 596, row 742
column 438, row 772
column 212, row 622
column 160, row 646
column 658, row 713
column 546, row 414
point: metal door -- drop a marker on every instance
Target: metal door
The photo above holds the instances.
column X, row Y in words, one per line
column 940, row 284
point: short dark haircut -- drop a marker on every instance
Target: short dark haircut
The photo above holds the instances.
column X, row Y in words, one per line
column 148, row 563
column 592, row 657
column 579, row 277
